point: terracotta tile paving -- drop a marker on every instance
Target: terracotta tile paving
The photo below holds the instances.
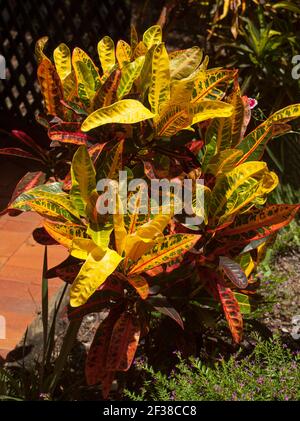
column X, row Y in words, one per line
column 21, row 261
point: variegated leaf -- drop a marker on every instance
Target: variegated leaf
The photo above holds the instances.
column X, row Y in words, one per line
column 245, row 184
column 203, row 110
column 106, row 52
column 169, row 249
column 232, row 311
column 93, row 273
column 185, row 62
column 130, row 72
column 272, row 216
column 140, row 284
column 172, row 119
column 152, row 36
column 123, row 53
column 123, row 343
column 83, row 179
column 233, row 271
column 65, row 233
column 87, row 76
column 51, row 88
column 212, row 84
column 107, row 94
column 62, row 60
column 126, row 111
column 95, row 366
column 159, row 90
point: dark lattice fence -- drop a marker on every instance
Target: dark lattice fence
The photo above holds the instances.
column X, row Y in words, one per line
column 77, row 23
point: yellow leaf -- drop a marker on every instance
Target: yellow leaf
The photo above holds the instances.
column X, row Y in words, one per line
column 152, row 36
column 62, row 60
column 206, row 109
column 212, row 84
column 51, row 88
column 172, row 247
column 185, row 63
column 39, row 49
column 81, row 247
column 173, row 118
column 123, row 53
column 126, row 111
column 106, row 52
column 65, row 233
column 140, row 50
column 93, row 273
column 159, row 91
column 145, row 236
column 224, row 161
column 119, row 227
column 245, row 185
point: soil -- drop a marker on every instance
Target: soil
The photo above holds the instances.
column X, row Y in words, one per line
column 284, row 316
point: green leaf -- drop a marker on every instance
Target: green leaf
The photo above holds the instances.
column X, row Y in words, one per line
column 87, row 76
column 130, row 72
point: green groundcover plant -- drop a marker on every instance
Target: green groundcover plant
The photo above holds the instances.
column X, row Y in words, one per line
column 271, row 372
column 153, row 115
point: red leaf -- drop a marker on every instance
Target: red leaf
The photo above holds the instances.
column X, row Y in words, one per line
column 106, row 382
column 214, row 284
column 28, row 141
column 123, row 343
column 232, row 311
column 68, row 132
column 195, row 146
column 162, row 305
column 95, row 366
column 20, row 153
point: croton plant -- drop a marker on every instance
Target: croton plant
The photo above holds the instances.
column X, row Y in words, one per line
column 152, row 114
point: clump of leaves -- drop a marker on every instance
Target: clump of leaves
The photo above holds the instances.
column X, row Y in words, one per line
column 270, row 372
column 154, row 114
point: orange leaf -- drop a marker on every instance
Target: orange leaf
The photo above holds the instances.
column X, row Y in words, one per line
column 51, row 87
column 272, row 216
column 95, row 366
column 232, row 311
column 123, row 343
column 141, row 285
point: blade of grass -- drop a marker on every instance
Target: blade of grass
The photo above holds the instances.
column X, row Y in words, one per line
column 66, row 348
column 45, row 310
